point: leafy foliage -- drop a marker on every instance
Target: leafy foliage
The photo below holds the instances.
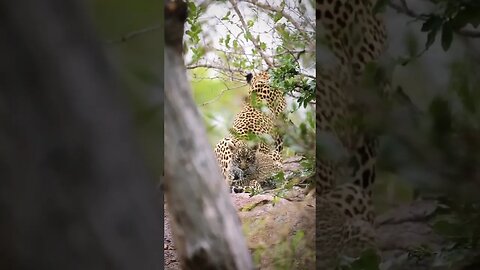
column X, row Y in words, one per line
column 450, row 16
column 193, row 34
column 284, row 78
column 431, row 130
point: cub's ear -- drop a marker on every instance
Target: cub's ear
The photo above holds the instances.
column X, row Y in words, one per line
column 249, row 78
column 254, row 147
column 231, row 145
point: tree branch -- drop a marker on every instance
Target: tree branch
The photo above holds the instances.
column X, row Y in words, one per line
column 221, row 94
column 136, row 34
column 205, row 225
column 287, row 16
column 469, row 33
column 75, row 189
column 215, row 67
column 245, row 27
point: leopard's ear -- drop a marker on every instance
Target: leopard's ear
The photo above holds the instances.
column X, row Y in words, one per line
column 231, row 145
column 254, row 147
column 249, row 77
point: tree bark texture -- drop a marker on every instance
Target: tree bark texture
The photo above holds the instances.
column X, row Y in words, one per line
column 206, row 227
column 74, row 191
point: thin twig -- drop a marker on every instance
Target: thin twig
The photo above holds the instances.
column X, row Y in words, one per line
column 469, row 33
column 287, row 16
column 268, row 55
column 221, row 94
column 247, row 31
column 215, row 67
column 307, row 75
column 136, row 33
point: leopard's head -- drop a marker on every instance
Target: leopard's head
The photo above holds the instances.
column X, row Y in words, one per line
column 244, row 160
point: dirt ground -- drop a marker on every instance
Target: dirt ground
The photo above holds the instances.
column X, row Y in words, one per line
column 171, row 262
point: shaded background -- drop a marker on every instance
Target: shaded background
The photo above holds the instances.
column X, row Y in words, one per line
column 138, row 61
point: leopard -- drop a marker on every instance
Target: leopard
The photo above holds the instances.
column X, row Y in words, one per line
column 337, row 234
column 355, row 36
column 252, row 169
column 260, row 86
column 274, row 99
column 260, row 112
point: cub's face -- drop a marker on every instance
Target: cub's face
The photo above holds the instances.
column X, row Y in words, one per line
column 244, row 161
column 244, row 157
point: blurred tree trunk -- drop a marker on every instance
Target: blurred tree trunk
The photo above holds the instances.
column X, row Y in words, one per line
column 205, row 225
column 74, row 191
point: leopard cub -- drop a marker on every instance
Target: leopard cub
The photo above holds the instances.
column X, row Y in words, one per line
column 250, row 167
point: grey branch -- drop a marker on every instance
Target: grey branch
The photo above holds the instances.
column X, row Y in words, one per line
column 221, row 94
column 229, row 69
column 136, row 34
column 287, row 16
column 245, row 27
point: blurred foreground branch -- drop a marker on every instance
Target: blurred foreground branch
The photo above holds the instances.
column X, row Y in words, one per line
column 74, row 191
column 205, row 225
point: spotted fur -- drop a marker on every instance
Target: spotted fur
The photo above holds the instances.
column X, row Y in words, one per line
column 259, row 115
column 252, row 168
column 355, row 36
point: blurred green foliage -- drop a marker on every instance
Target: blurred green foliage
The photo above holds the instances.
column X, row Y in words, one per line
column 217, row 100
column 138, row 62
column 430, row 130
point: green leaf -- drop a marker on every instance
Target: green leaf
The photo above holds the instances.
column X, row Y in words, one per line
column 277, row 16
column 280, row 176
column 197, row 53
column 192, row 9
column 227, row 41
column 303, row 129
column 297, row 238
column 447, row 36
column 263, row 46
column 226, row 16
column 433, row 23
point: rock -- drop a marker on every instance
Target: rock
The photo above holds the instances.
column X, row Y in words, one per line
column 407, row 227
column 278, row 231
column 292, row 164
column 415, row 211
